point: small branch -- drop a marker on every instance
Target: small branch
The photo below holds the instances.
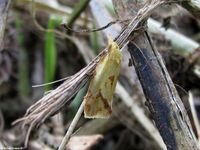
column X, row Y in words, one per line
column 71, row 128
column 75, row 120
column 102, row 17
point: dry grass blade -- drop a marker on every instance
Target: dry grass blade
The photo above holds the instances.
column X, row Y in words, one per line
column 58, row 98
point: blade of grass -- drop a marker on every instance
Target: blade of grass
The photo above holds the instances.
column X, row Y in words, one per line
column 94, row 40
column 78, row 100
column 50, row 52
column 24, row 86
column 79, row 7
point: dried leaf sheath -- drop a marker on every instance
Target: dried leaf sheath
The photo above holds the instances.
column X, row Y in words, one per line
column 53, row 102
column 98, row 100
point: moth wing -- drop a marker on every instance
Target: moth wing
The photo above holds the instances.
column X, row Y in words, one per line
column 98, row 100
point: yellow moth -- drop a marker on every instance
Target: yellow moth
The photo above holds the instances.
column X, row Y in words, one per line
column 98, row 100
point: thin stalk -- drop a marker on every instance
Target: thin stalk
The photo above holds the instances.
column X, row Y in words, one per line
column 74, row 122
column 79, row 7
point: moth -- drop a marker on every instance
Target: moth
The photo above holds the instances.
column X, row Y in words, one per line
column 98, row 99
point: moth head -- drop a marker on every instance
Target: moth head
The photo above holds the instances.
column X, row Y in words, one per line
column 112, row 44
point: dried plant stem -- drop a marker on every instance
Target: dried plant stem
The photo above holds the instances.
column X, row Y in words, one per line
column 71, row 128
column 74, row 122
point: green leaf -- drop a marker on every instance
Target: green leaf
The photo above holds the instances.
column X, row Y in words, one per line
column 24, row 85
column 50, row 53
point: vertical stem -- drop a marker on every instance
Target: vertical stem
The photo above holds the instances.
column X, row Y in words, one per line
column 79, row 7
column 71, row 128
column 74, row 122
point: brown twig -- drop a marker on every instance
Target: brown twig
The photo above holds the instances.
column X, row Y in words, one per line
column 95, row 30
